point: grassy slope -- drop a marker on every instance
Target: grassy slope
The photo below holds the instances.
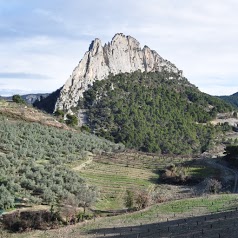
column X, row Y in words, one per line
column 113, row 174
column 33, row 157
column 143, row 220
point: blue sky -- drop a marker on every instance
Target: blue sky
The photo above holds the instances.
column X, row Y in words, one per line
column 42, row 41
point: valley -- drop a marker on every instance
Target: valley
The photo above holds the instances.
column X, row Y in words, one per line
column 127, row 147
column 115, row 173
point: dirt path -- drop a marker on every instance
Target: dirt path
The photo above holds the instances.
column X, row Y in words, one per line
column 84, row 164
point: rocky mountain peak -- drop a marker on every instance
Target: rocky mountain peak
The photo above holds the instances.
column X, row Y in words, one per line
column 122, row 54
column 95, row 46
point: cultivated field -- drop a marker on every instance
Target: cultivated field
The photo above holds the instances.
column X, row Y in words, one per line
column 113, row 174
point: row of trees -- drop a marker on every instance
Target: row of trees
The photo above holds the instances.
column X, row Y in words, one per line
column 33, row 163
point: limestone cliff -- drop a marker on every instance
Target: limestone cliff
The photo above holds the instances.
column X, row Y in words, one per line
column 122, row 54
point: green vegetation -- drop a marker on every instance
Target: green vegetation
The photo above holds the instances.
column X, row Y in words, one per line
column 129, row 199
column 18, row 99
column 47, row 104
column 231, row 151
column 117, row 174
column 153, row 112
column 157, row 214
column 112, row 180
column 169, row 210
column 59, row 113
column 33, row 162
column 71, row 120
column 232, row 99
column 188, row 173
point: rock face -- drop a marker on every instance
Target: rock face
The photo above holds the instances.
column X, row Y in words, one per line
column 123, row 54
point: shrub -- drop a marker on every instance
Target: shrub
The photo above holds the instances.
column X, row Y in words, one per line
column 18, row 99
column 212, row 186
column 6, row 199
column 142, row 199
column 72, row 120
column 28, row 220
column 129, row 199
column 59, row 113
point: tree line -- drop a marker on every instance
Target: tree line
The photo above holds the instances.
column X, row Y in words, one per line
column 35, row 159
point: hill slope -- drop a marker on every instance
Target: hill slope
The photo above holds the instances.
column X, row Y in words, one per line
column 233, row 99
column 34, row 157
column 153, row 112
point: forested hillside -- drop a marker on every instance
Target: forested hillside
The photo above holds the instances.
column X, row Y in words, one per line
column 154, row 112
column 34, row 159
column 233, row 99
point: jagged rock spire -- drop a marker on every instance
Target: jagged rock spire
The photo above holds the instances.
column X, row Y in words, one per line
column 122, row 54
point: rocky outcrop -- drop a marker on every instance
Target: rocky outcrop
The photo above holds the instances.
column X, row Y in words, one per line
column 122, row 54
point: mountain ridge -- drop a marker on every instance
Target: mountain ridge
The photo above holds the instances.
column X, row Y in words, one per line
column 232, row 99
column 122, row 55
column 30, row 98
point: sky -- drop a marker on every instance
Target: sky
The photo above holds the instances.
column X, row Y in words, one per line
column 42, row 41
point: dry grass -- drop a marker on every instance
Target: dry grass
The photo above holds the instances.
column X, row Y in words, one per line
column 192, row 215
column 29, row 114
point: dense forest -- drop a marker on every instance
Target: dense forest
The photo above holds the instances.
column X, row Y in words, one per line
column 153, row 112
column 34, row 159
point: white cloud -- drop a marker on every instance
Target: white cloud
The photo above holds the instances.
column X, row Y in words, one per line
column 50, row 37
column 48, row 14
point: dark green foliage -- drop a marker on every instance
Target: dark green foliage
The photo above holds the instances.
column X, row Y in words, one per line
column 6, row 199
column 33, row 161
column 71, row 120
column 153, row 112
column 225, row 127
column 129, row 199
column 231, row 151
column 47, row 104
column 59, row 113
column 233, row 99
column 18, row 99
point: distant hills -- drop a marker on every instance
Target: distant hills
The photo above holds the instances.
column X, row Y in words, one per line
column 30, row 98
column 233, row 99
column 47, row 103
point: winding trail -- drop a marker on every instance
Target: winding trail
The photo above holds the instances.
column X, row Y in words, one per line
column 84, row 164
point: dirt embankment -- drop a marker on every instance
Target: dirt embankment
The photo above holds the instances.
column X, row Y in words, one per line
column 30, row 114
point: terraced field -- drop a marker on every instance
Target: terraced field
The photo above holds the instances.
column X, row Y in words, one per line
column 113, row 179
column 113, row 174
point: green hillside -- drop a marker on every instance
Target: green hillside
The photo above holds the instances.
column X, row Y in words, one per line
column 232, row 99
column 152, row 112
column 35, row 158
